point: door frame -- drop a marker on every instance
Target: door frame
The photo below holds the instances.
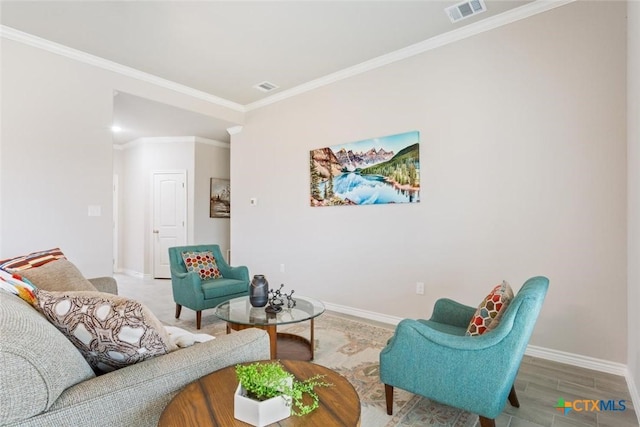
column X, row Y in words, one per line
column 152, row 245
column 116, row 223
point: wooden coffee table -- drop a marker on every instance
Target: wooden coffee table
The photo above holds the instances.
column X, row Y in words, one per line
column 208, row 402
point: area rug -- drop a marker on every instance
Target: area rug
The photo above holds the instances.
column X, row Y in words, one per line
column 352, row 348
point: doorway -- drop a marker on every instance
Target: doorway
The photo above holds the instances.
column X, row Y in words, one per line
column 169, row 218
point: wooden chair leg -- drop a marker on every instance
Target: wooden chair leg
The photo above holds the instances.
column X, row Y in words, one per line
column 198, row 319
column 513, row 399
column 178, row 310
column 487, row 422
column 388, row 394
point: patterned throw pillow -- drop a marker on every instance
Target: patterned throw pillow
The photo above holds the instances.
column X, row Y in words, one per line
column 489, row 312
column 203, row 263
column 18, row 286
column 110, row 331
column 34, row 259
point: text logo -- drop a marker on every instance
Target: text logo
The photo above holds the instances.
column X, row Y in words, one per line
column 588, row 405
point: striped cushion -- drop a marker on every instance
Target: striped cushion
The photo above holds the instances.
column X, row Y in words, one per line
column 34, row 259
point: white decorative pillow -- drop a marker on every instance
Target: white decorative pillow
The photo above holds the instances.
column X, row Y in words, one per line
column 183, row 338
column 110, row 331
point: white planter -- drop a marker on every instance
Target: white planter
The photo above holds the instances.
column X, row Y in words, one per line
column 257, row 413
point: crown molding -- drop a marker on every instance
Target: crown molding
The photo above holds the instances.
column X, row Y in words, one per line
column 213, row 142
column 40, row 43
column 513, row 15
column 234, row 130
column 170, row 140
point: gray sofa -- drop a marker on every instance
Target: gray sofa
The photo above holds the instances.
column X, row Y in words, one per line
column 44, row 381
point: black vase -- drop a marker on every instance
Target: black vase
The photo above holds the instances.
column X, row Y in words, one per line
column 259, row 291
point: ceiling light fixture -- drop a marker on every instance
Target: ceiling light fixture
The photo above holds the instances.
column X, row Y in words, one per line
column 116, row 129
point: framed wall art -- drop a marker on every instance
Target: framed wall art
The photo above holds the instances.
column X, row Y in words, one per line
column 368, row 172
column 220, row 198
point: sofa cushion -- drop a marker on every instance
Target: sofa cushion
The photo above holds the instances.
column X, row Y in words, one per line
column 490, row 310
column 34, row 259
column 203, row 263
column 109, row 330
column 58, row 275
column 38, row 362
column 223, row 287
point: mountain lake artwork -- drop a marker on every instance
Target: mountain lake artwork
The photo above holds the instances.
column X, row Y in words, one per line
column 369, row 172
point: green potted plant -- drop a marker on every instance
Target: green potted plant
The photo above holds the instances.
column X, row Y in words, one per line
column 267, row 393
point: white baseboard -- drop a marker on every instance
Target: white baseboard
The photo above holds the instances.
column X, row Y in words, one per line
column 133, row 273
column 370, row 315
column 577, row 360
column 633, row 390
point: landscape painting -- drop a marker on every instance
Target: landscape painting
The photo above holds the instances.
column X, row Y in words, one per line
column 220, row 200
column 369, row 172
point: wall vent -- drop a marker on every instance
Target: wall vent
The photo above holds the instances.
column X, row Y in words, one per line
column 463, row 10
column 266, row 86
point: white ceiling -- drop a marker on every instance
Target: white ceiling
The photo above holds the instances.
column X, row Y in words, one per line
column 224, row 48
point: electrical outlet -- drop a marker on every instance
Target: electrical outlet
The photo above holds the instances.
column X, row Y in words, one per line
column 281, row 268
column 420, row 288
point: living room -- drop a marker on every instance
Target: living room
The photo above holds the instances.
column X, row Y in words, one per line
column 530, row 159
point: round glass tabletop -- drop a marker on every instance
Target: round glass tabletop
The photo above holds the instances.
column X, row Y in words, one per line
column 239, row 310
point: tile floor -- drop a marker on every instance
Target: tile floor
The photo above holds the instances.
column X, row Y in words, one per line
column 539, row 385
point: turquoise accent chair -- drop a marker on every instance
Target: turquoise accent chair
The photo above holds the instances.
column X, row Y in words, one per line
column 194, row 293
column 433, row 358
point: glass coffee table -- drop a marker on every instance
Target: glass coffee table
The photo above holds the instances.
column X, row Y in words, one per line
column 240, row 314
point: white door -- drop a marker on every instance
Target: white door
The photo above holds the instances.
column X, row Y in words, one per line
column 169, row 218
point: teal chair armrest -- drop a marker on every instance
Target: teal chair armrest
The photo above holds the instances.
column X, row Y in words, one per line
column 424, row 335
column 452, row 313
column 240, row 272
column 186, row 285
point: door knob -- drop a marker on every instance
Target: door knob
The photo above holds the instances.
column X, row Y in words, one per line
column 156, row 231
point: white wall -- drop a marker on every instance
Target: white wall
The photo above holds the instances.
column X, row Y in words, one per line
column 55, row 122
column 57, row 152
column 211, row 161
column 523, row 171
column 633, row 192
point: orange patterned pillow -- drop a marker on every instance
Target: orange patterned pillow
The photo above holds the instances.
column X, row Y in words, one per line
column 203, row 263
column 489, row 312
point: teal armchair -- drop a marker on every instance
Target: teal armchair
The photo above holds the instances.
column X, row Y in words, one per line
column 192, row 292
column 433, row 358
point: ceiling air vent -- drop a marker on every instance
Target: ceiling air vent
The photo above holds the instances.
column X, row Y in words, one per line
column 463, row 10
column 266, row 86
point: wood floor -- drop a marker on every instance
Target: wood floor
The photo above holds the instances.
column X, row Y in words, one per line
column 539, row 385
